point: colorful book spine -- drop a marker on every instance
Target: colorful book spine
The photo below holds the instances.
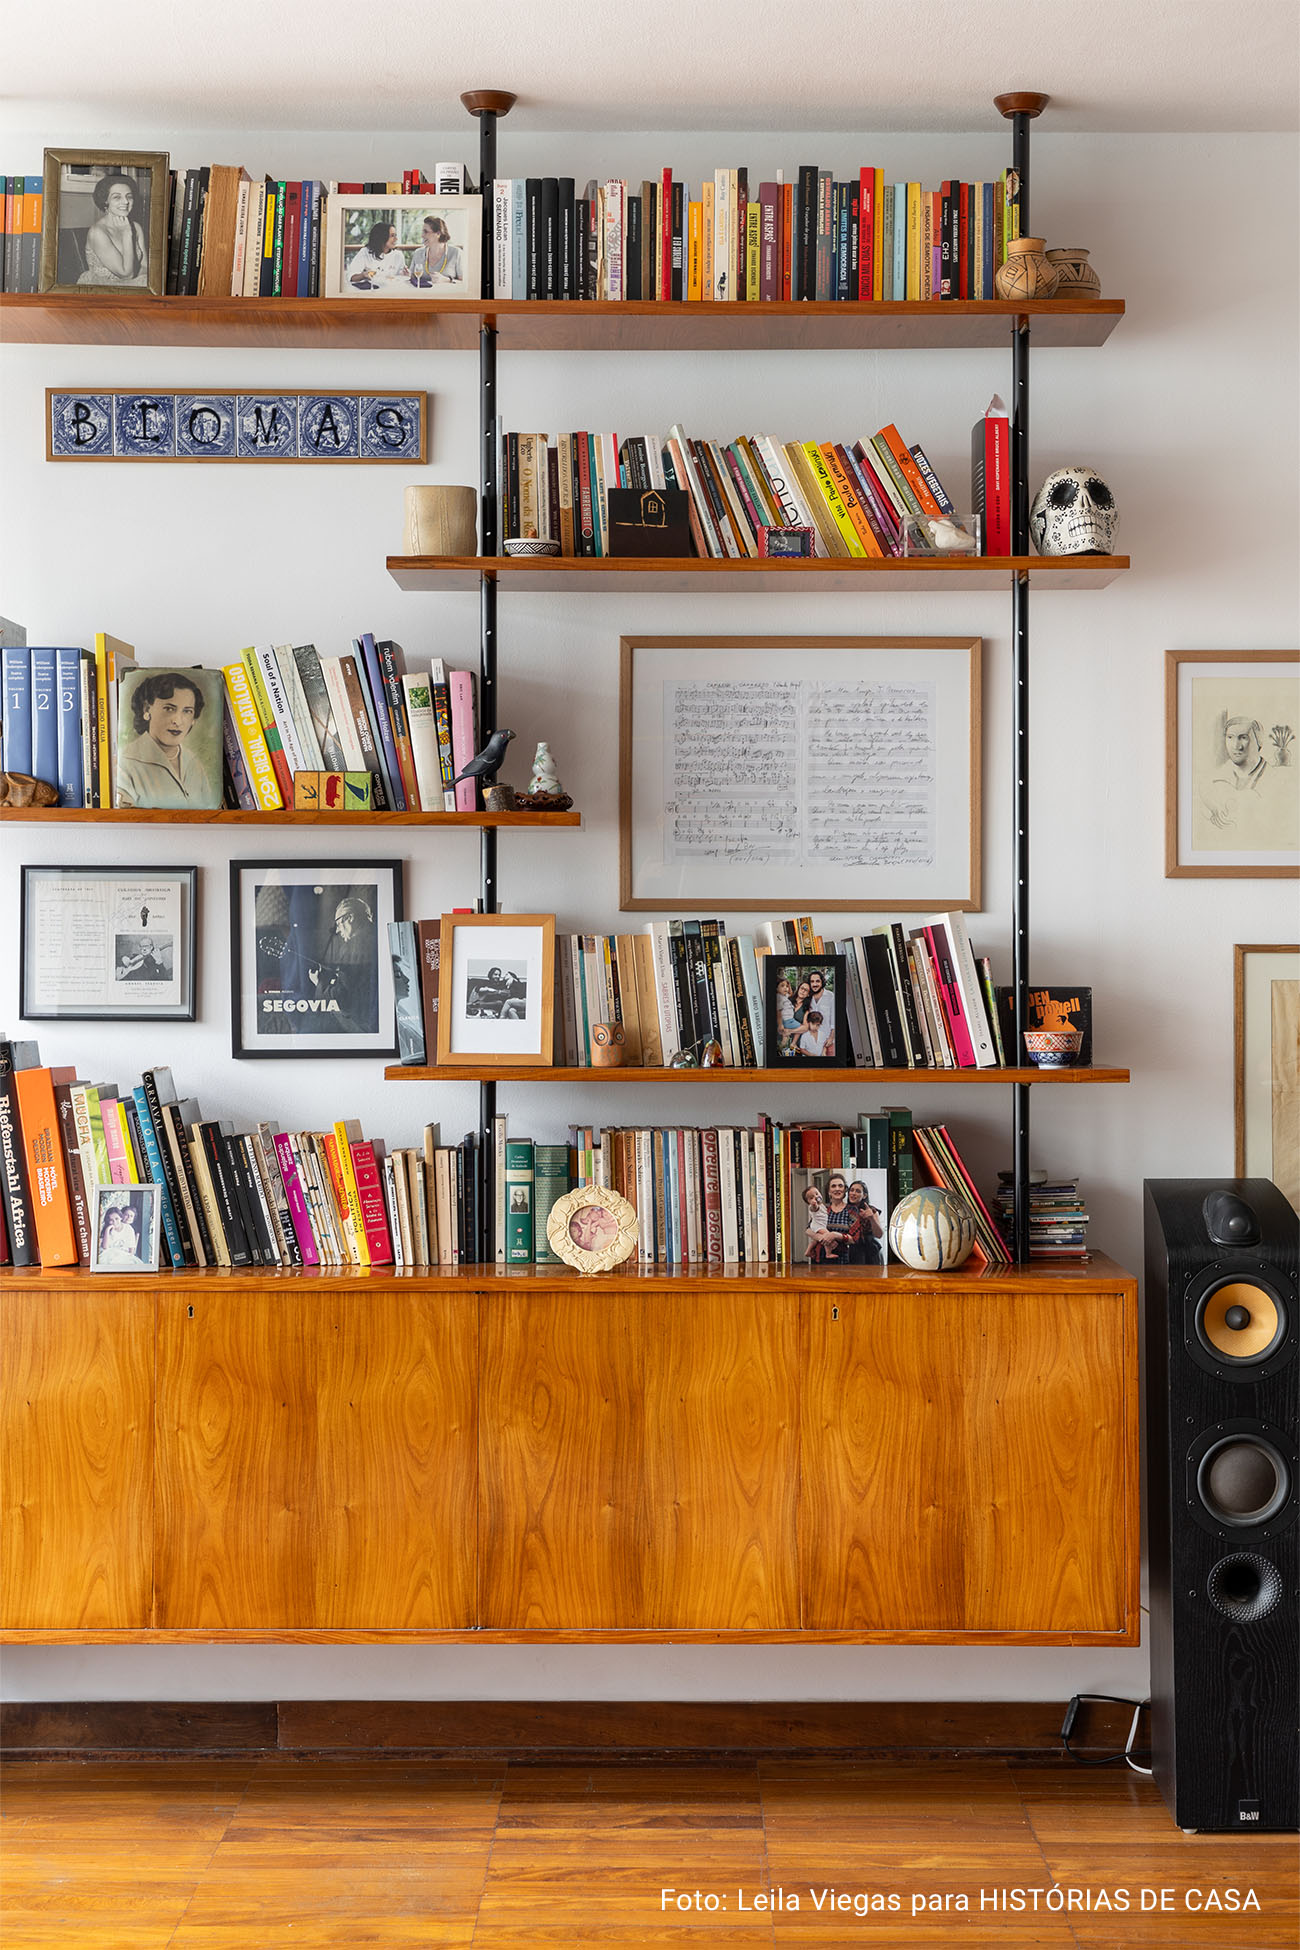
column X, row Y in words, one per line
column 519, row 1201
column 464, row 735
column 46, row 1175
column 368, row 1174
column 68, row 757
column 153, row 1158
column 266, row 719
column 252, row 739
column 298, row 1213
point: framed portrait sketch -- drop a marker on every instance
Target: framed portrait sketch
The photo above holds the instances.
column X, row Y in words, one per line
column 1266, row 1069
column 108, row 944
column 104, row 220
column 790, row 773
column 496, row 989
column 380, row 247
column 1232, row 764
column 804, row 1012
column 310, row 972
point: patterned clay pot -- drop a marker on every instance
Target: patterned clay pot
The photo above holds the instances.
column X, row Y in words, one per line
column 1075, row 276
column 931, row 1231
column 1026, row 273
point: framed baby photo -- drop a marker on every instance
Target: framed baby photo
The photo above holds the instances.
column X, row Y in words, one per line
column 1232, row 764
column 125, row 1221
column 593, row 1229
column 311, row 974
column 104, row 220
column 804, row 1013
column 379, row 247
column 496, row 989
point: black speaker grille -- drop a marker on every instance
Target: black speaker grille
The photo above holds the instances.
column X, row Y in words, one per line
column 1245, row 1587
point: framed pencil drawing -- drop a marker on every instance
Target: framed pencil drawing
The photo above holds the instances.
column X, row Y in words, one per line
column 1266, row 1064
column 1232, row 764
column 760, row 772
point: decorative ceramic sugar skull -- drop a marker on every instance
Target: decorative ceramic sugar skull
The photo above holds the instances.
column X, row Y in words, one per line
column 1074, row 513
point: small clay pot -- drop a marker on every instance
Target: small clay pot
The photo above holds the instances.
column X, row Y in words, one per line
column 1026, row 273
column 1075, row 275
column 608, row 1046
column 441, row 521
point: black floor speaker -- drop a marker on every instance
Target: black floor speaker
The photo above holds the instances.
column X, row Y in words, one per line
column 1221, row 1386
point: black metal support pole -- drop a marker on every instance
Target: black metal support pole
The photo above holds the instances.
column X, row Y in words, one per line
column 487, row 105
column 1020, row 110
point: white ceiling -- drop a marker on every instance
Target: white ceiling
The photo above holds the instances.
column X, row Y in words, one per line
column 1161, row 66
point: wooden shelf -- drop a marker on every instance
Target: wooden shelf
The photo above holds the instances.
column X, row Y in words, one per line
column 121, row 318
column 487, row 1072
column 667, row 575
column 124, row 816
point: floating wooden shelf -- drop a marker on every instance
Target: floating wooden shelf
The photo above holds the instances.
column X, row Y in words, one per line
column 487, row 1072
column 422, row 325
column 123, row 816
column 665, row 576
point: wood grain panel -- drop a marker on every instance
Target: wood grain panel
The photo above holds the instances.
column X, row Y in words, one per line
column 637, row 1460
column 967, row 1463
column 677, row 575
column 316, row 1460
column 76, row 1456
column 396, row 1485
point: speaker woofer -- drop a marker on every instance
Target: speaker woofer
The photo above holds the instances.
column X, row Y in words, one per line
column 1245, row 1587
column 1243, row 1481
column 1240, row 1322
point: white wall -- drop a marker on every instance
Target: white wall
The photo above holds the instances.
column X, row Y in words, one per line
column 1189, row 412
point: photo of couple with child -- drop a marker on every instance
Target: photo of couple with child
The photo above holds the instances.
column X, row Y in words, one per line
column 840, row 1218
column 804, row 1010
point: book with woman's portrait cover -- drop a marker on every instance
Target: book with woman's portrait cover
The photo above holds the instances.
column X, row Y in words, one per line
column 169, row 742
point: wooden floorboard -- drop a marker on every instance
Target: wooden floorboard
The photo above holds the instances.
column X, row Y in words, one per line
column 264, row 1854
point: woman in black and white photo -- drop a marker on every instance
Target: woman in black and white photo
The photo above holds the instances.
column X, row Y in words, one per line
column 116, row 248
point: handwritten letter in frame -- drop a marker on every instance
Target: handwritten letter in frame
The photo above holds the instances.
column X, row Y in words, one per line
column 780, row 774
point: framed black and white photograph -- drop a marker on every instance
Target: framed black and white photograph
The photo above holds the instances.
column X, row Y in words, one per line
column 496, row 988
column 840, row 1217
column 804, row 1012
column 106, row 944
column 1232, row 764
column 379, row 247
column 125, row 1222
column 104, row 220
column 311, row 973
column 792, row 773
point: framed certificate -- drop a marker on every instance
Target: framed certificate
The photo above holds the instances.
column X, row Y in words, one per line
column 108, row 944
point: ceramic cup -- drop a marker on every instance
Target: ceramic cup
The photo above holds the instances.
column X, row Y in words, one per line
column 441, row 521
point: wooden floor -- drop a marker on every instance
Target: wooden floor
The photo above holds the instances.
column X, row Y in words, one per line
column 259, row 1854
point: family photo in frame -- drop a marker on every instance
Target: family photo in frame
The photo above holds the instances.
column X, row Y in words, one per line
column 804, row 1003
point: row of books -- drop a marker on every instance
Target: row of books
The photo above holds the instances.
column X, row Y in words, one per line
column 231, row 236
column 874, row 498
column 21, row 214
column 815, row 238
column 71, row 1152
column 279, row 727
column 1058, row 1219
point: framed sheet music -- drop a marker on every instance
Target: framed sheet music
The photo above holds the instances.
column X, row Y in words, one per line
column 780, row 774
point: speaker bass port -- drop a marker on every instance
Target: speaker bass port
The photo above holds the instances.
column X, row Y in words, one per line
column 1245, row 1588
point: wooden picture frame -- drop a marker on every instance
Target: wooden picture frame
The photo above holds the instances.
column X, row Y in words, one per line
column 617, row 1237
column 1266, row 1063
column 350, row 215
column 65, row 245
column 311, row 975
column 1208, row 792
column 108, row 944
column 496, row 989
column 747, row 821
column 237, row 426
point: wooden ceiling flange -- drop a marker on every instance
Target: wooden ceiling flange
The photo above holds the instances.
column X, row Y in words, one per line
column 495, row 101
column 1024, row 102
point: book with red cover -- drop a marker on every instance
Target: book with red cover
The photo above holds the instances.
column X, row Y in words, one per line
column 47, row 1178
column 931, row 1167
column 990, row 478
column 945, row 981
column 292, row 233
column 370, row 1191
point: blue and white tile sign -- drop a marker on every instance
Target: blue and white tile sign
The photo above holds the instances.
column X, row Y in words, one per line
column 119, row 425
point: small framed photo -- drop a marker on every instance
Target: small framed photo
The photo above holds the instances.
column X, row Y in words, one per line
column 124, row 1227
column 380, row 247
column 1232, row 764
column 786, row 541
column 841, row 1218
column 104, row 222
column 496, row 988
column 311, row 973
column 1266, row 1077
column 593, row 1229
column 804, row 1012
column 108, row 944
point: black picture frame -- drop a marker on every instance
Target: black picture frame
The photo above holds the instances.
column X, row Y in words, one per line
column 787, row 1032
column 311, row 976
column 133, row 956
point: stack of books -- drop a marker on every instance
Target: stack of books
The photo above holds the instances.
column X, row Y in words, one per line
column 21, row 213
column 1057, row 1218
column 286, row 728
column 857, row 498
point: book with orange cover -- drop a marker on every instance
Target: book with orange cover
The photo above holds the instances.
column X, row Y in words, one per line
column 908, row 468
column 56, row 1240
column 931, row 1166
column 850, row 498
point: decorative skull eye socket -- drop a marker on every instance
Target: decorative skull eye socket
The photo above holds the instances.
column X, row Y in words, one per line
column 1099, row 493
column 1063, row 495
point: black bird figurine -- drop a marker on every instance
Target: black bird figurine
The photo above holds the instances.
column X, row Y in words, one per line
column 485, row 765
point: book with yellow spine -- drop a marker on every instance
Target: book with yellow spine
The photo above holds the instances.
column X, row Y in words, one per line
column 252, row 739
column 913, row 242
column 839, row 513
column 347, row 1132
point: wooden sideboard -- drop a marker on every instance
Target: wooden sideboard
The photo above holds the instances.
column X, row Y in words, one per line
column 529, row 1456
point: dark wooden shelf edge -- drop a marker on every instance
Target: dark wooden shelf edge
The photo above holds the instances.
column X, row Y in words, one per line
column 814, row 574
column 225, row 817
column 561, row 1073
column 490, row 1635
